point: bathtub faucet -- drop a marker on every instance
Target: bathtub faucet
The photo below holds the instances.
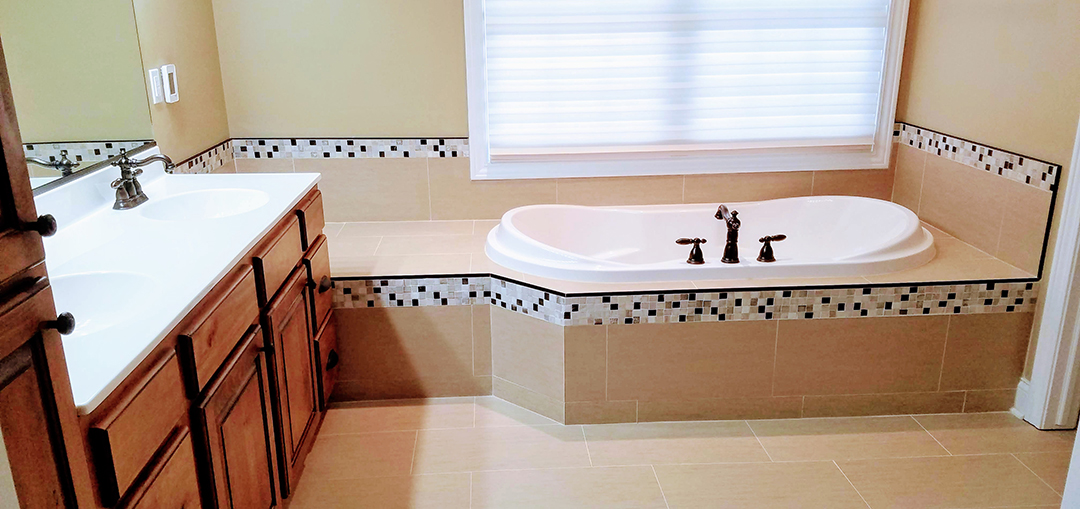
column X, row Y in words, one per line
column 731, row 248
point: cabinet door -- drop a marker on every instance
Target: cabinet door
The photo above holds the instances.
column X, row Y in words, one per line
column 235, row 428
column 172, row 482
column 289, row 327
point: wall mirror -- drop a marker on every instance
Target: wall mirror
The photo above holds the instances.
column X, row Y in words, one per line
column 77, row 81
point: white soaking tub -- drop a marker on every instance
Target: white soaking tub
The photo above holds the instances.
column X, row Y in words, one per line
column 826, row 236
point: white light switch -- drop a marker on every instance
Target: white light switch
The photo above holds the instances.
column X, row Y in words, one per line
column 157, row 90
column 168, row 78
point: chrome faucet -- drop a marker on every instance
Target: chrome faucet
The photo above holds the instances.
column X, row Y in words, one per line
column 731, row 248
column 129, row 193
column 65, row 165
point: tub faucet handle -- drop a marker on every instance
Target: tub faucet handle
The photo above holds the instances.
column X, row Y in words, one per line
column 766, row 254
column 696, row 256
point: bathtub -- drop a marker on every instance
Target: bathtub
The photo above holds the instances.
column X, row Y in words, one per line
column 826, row 236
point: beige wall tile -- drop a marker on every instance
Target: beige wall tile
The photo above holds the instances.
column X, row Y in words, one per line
column 454, row 195
column 964, row 202
column 407, row 352
column 407, row 228
column 944, row 268
column 601, row 412
column 481, row 329
column 1052, row 467
column 359, row 456
column 401, row 415
column 845, row 438
column 908, row 181
column 431, row 244
column 512, row 447
column 229, row 167
column 957, row 481
column 438, row 491
column 528, row 352
column 371, row 189
column 621, row 190
column 1023, row 228
column 484, row 226
column 986, row 351
column 348, row 245
column 758, row 485
column 870, row 183
column 1000, row 400
column 492, row 412
column 990, row 433
column 345, row 265
column 671, row 442
column 690, row 360
column 264, row 165
column 859, row 355
column 719, row 409
column 883, row 404
column 569, row 487
column 737, row 187
column 529, row 399
column 586, row 363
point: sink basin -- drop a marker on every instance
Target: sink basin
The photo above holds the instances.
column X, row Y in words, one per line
column 205, row 204
column 100, row 300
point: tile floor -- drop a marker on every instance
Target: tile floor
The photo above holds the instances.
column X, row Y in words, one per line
column 457, row 247
column 486, row 453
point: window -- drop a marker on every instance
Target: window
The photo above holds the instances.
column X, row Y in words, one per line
column 564, row 88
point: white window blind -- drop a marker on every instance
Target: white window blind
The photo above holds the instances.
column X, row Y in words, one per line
column 595, row 77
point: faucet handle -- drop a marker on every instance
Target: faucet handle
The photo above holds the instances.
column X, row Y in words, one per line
column 766, row 254
column 686, row 242
column 696, row 256
column 772, row 238
column 117, row 183
column 136, row 172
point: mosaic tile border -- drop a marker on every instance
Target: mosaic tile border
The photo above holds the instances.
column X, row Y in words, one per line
column 1015, row 167
column 349, row 148
column 81, row 151
column 208, row 161
column 690, row 306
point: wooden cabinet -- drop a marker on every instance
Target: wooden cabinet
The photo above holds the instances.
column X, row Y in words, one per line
column 172, row 481
column 235, row 426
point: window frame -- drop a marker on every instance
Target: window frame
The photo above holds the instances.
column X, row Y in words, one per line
column 680, row 162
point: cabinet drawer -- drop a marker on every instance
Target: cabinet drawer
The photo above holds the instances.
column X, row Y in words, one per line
column 326, row 345
column 317, row 261
column 312, row 217
column 172, row 482
column 276, row 257
column 126, row 438
column 219, row 321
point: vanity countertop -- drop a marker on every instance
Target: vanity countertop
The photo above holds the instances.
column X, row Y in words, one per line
column 130, row 276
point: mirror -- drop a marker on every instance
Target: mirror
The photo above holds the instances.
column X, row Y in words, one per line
column 77, row 80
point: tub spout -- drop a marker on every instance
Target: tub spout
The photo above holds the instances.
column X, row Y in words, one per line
column 731, row 248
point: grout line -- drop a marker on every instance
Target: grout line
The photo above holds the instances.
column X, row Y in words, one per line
column 935, row 438
column 963, row 406
column 851, row 483
column 607, row 361
column 944, row 350
column 658, row 485
column 683, row 189
column 474, row 411
column 802, row 408
column 1035, row 474
column 813, row 177
column 412, row 462
column 586, row 439
column 377, row 246
column 470, row 490
column 556, row 191
column 922, row 181
column 758, row 440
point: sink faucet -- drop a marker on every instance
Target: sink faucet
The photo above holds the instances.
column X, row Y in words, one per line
column 129, row 193
column 65, row 165
column 731, row 248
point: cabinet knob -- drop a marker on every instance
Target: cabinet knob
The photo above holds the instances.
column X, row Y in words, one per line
column 331, row 360
column 64, row 324
column 45, row 225
column 325, row 284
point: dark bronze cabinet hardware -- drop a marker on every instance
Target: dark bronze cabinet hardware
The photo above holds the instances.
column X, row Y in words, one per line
column 731, row 248
column 331, row 360
column 325, row 284
column 696, row 256
column 44, row 225
column 64, row 324
column 766, row 254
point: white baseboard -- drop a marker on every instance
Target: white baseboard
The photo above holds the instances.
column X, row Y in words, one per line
column 1022, row 404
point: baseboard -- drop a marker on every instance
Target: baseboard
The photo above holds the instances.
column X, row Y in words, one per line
column 1022, row 404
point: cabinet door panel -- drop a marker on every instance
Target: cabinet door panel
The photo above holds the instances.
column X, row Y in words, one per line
column 172, row 482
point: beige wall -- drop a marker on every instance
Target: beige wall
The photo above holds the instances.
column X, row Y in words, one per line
column 326, row 68
column 182, row 33
column 75, row 70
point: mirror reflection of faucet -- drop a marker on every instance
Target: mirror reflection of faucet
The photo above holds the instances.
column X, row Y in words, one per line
column 129, row 193
column 65, row 165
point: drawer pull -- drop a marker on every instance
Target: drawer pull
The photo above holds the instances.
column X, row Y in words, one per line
column 325, row 284
column 45, row 225
column 64, row 324
column 331, row 360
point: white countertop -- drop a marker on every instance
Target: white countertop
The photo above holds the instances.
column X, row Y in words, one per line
column 129, row 278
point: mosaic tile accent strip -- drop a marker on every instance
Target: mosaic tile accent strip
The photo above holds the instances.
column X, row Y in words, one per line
column 394, row 293
column 79, row 152
column 208, row 161
column 349, row 148
column 689, row 307
column 1025, row 170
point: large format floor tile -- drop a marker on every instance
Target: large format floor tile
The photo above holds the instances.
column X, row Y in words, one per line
column 502, row 448
column 578, row 488
column 442, row 491
column 952, row 481
column 990, row 433
column 670, row 442
column 400, row 415
column 845, row 438
column 812, row 485
column 1052, row 467
column 493, row 412
column 364, row 455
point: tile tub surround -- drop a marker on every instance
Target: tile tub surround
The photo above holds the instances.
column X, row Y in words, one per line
column 217, row 159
